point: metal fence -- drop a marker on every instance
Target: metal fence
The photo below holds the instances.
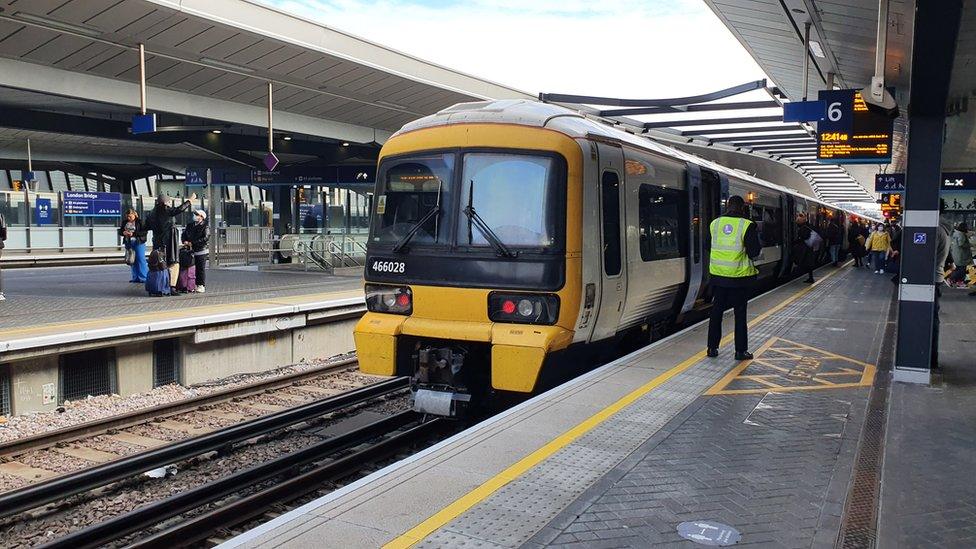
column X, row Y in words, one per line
column 166, row 362
column 242, row 246
column 5, row 405
column 322, row 252
column 86, row 373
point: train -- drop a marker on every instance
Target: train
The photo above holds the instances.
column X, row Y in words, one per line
column 513, row 241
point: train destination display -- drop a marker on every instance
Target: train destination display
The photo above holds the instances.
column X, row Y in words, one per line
column 852, row 133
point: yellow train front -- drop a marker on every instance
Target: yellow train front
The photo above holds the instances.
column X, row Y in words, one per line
column 472, row 274
column 513, row 242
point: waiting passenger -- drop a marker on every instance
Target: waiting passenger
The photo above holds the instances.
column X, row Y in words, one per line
column 879, row 244
column 805, row 247
column 196, row 236
column 734, row 244
column 3, row 238
column 855, row 243
column 133, row 233
column 835, row 237
column 894, row 263
column 166, row 238
column 962, row 255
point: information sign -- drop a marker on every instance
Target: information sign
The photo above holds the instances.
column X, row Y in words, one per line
column 91, row 204
column 42, row 211
column 889, row 182
column 851, row 133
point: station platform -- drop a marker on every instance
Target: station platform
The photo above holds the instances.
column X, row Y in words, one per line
column 665, row 446
column 61, row 305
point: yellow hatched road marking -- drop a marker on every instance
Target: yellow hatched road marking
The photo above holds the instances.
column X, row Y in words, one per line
column 472, row 498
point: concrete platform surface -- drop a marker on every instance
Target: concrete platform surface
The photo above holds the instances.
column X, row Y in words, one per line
column 54, row 295
column 660, row 440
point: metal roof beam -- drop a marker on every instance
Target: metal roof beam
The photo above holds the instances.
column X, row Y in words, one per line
column 746, row 138
column 615, row 102
column 760, row 129
column 783, row 147
column 711, row 121
column 741, row 105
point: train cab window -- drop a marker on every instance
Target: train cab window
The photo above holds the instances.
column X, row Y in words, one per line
column 658, row 215
column 412, row 191
column 610, row 191
column 513, row 194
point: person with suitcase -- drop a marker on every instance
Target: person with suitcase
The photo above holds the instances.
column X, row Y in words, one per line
column 196, row 236
column 157, row 282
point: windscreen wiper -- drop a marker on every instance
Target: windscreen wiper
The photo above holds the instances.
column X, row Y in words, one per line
column 490, row 236
column 413, row 230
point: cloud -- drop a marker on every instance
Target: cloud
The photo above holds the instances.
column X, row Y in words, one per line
column 621, row 48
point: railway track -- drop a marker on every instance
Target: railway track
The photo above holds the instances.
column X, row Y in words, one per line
column 46, row 456
column 51, row 500
column 216, row 508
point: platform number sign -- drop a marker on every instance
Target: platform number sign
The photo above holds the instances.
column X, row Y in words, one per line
column 852, row 133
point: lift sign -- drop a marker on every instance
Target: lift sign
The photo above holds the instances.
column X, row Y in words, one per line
column 851, row 133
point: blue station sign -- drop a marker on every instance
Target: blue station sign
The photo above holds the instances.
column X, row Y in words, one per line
column 91, row 204
column 42, row 211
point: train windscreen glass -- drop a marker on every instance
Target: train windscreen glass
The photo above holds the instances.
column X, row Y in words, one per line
column 512, row 193
column 410, row 190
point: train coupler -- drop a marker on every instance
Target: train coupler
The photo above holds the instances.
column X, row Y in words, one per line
column 437, row 382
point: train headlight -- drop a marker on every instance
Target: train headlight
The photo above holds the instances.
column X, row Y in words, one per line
column 523, row 308
column 389, row 299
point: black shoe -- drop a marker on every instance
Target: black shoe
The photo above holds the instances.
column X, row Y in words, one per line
column 745, row 355
column 809, row 281
column 712, row 353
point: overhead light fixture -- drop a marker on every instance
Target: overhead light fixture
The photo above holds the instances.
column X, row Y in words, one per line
column 57, row 25
column 218, row 64
column 287, row 138
column 345, row 144
column 216, row 131
column 389, row 104
column 817, row 49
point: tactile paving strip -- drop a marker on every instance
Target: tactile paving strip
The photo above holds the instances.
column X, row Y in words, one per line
column 509, row 518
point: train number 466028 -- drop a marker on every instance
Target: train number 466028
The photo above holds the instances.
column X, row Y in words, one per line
column 389, row 267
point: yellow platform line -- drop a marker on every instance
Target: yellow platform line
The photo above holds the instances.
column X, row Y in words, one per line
column 475, row 496
column 188, row 312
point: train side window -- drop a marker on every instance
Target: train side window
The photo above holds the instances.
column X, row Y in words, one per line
column 610, row 190
column 658, row 213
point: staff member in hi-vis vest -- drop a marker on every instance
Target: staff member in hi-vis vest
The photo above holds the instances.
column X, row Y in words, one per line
column 734, row 243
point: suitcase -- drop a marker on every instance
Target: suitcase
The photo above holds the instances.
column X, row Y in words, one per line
column 187, row 282
column 157, row 283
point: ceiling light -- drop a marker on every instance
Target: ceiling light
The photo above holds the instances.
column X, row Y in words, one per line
column 817, row 49
column 217, row 64
column 57, row 25
column 215, row 131
column 287, row 138
column 389, row 104
column 345, row 144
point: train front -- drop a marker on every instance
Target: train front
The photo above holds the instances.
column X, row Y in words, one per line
column 473, row 264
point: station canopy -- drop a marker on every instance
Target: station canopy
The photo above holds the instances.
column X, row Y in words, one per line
column 843, row 39
column 69, row 74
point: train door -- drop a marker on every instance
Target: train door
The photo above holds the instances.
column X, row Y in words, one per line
column 613, row 280
column 788, row 204
column 704, row 191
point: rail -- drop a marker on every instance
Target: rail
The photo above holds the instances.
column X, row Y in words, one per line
column 202, row 526
column 60, row 488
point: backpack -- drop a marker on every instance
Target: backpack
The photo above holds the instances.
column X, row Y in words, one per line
column 814, row 241
column 186, row 258
column 157, row 261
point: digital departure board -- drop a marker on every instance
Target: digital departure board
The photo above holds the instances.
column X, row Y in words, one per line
column 851, row 133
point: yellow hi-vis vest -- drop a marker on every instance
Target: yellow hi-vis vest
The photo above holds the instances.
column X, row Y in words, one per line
column 728, row 257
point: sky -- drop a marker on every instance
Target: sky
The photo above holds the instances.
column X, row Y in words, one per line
column 617, row 48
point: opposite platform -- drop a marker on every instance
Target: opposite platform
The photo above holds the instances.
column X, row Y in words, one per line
column 623, row 455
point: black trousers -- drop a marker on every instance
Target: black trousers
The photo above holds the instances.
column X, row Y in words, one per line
column 200, row 261
column 722, row 300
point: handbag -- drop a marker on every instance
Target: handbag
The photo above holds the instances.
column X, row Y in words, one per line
column 814, row 241
column 130, row 256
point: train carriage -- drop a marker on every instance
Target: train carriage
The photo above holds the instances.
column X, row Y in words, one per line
column 512, row 240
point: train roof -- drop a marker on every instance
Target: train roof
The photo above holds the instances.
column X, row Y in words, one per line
column 576, row 125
